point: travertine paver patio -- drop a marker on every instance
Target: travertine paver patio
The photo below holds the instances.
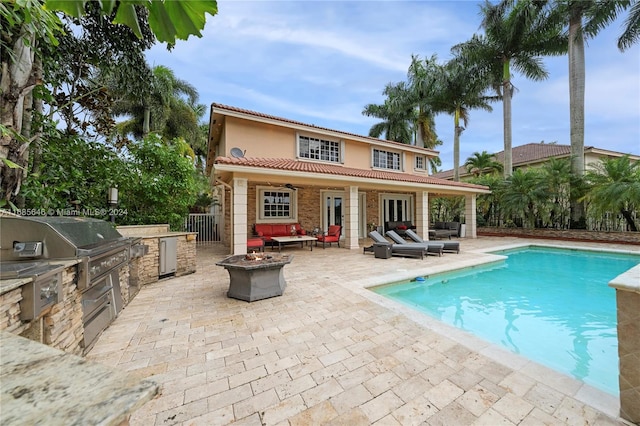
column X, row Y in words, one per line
column 330, row 352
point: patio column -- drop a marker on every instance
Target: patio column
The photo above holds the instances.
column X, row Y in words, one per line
column 350, row 228
column 470, row 216
column 422, row 214
column 239, row 216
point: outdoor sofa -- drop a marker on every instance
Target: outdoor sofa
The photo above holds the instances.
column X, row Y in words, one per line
column 444, row 230
column 268, row 230
column 400, row 226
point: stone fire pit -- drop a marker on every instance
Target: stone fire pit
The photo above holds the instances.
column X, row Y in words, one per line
column 256, row 276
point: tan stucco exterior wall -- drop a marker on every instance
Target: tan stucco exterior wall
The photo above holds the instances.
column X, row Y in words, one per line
column 260, row 140
column 357, row 155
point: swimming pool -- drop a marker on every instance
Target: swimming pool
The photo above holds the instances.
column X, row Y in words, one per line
column 551, row 305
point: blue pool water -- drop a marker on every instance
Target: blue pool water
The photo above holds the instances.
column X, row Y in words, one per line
column 551, row 305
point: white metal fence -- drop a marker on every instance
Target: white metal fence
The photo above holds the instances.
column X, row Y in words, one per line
column 207, row 225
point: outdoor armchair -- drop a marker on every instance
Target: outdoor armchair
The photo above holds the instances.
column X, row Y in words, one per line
column 332, row 236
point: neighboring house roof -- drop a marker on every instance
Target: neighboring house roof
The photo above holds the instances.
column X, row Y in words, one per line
column 530, row 154
column 285, row 164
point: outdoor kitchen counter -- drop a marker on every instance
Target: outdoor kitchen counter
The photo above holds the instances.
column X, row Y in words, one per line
column 43, row 385
column 7, row 285
column 13, row 283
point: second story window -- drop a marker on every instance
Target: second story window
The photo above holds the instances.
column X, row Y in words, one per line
column 318, row 149
column 386, row 159
column 419, row 162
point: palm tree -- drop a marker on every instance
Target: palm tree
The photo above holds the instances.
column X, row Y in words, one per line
column 631, row 33
column 422, row 79
column 162, row 106
column 523, row 194
column 557, row 181
column 615, row 186
column 584, row 19
column 488, row 205
column 397, row 115
column 482, row 162
column 460, row 88
column 516, row 36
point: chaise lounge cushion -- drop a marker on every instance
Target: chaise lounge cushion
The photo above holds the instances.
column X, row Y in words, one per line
column 449, row 246
column 397, row 249
column 432, row 247
column 268, row 230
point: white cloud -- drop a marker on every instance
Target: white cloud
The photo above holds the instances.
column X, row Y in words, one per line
column 321, row 62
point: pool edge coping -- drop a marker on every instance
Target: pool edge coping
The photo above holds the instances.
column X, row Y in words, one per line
column 589, row 395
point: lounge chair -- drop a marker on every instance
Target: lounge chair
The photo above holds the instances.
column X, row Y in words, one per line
column 397, row 249
column 449, row 246
column 436, row 248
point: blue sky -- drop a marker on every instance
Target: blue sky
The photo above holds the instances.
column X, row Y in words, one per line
column 321, row 62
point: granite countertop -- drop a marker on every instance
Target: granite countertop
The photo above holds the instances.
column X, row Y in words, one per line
column 166, row 234
column 7, row 285
column 13, row 283
column 43, row 385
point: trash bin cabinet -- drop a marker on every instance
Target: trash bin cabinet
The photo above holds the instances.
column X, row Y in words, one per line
column 382, row 250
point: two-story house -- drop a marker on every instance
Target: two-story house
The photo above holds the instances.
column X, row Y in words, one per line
column 267, row 169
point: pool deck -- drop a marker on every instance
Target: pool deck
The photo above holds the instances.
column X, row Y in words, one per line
column 329, row 351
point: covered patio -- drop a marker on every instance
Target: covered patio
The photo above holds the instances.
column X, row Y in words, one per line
column 329, row 351
column 320, row 195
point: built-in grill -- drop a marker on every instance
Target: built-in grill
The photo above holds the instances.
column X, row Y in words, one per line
column 101, row 250
column 44, row 290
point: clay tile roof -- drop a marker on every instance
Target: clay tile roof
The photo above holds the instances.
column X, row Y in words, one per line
column 299, row 123
column 534, row 152
column 330, row 169
column 521, row 155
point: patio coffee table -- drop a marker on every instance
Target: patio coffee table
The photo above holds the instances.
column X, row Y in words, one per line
column 302, row 239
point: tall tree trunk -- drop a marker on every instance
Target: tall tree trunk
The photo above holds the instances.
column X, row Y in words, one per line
column 629, row 218
column 17, row 81
column 146, row 121
column 420, row 136
column 506, row 118
column 576, row 103
column 27, row 120
column 38, row 106
column 456, row 145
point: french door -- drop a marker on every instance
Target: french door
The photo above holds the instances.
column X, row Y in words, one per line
column 333, row 210
column 396, row 207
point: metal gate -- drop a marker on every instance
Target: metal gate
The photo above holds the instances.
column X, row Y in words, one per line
column 207, row 225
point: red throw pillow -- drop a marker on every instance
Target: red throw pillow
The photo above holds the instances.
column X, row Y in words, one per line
column 402, row 227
